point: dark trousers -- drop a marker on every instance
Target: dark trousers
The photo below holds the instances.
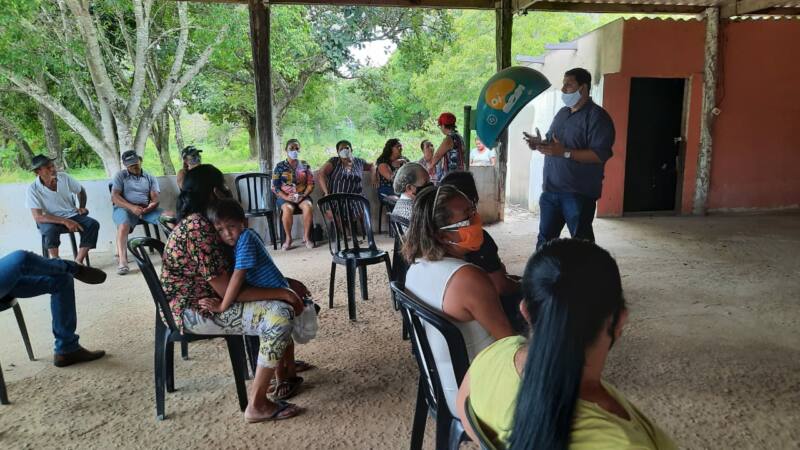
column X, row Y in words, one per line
column 559, row 208
column 25, row 274
column 52, row 232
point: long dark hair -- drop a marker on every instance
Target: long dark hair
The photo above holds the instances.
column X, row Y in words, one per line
column 198, row 185
column 386, row 154
column 572, row 287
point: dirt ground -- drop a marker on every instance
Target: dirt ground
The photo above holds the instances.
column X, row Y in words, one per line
column 711, row 352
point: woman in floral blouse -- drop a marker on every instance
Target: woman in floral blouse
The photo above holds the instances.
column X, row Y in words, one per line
column 196, row 266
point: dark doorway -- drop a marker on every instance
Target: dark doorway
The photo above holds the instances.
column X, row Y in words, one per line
column 652, row 163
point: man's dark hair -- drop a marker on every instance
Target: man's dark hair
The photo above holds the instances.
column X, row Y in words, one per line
column 582, row 76
column 464, row 182
column 225, row 210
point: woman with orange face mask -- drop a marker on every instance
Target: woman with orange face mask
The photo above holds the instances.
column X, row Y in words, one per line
column 445, row 227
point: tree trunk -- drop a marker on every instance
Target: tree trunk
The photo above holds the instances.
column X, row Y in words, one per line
column 13, row 133
column 48, row 121
column 252, row 131
column 161, row 139
column 52, row 138
column 175, row 112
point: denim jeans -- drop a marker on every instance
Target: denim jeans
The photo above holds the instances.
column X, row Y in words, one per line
column 25, row 274
column 121, row 215
column 559, row 208
column 52, row 232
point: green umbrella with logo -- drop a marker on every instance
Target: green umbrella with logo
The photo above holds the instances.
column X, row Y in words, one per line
column 503, row 96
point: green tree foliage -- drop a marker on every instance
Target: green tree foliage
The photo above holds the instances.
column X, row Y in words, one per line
column 311, row 50
column 455, row 78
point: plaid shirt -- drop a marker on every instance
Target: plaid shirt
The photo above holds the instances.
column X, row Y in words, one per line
column 291, row 180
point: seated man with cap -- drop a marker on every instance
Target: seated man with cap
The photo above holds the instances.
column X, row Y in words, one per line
column 134, row 193
column 50, row 199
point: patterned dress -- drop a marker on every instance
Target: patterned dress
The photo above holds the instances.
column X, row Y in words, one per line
column 453, row 159
column 345, row 180
column 193, row 256
column 293, row 180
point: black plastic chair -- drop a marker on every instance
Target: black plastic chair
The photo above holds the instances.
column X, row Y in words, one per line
column 46, row 254
column 430, row 395
column 258, row 189
column 399, row 265
column 167, row 223
column 387, row 202
column 344, row 214
column 399, row 226
column 11, row 303
column 477, row 427
column 167, row 332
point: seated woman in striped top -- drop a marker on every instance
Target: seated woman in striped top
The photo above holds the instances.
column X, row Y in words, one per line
column 343, row 174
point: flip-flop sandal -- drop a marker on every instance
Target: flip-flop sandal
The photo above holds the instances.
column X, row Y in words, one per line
column 285, row 411
column 309, row 244
column 286, row 246
column 302, row 366
column 274, row 382
column 289, row 387
column 122, row 270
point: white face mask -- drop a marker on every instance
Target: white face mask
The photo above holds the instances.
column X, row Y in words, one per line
column 345, row 153
column 571, row 99
column 293, row 154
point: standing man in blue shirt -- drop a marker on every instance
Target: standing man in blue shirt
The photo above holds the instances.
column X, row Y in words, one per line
column 576, row 149
column 134, row 193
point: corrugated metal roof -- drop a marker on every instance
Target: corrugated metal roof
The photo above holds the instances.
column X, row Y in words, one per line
column 728, row 8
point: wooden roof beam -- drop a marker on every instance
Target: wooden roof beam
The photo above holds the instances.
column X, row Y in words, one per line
column 447, row 4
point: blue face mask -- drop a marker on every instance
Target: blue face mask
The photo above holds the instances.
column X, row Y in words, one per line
column 293, row 154
column 571, row 99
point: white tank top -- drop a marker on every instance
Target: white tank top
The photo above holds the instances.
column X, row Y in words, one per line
column 428, row 281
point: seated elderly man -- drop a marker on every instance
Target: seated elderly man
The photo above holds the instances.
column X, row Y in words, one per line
column 50, row 199
column 134, row 193
column 409, row 179
column 25, row 274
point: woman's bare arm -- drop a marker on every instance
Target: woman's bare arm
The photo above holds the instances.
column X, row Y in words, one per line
column 444, row 147
column 385, row 171
column 323, row 174
column 254, row 294
column 461, row 399
column 470, row 295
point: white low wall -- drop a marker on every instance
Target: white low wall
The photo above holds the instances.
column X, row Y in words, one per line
column 18, row 230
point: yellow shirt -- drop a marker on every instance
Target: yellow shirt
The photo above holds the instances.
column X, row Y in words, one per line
column 494, row 383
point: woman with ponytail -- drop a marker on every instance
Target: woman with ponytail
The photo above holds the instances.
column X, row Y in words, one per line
column 547, row 392
column 444, row 227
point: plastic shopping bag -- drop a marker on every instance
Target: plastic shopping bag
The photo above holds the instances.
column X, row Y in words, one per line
column 306, row 325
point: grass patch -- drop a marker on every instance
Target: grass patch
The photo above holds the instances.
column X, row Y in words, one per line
column 227, row 147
